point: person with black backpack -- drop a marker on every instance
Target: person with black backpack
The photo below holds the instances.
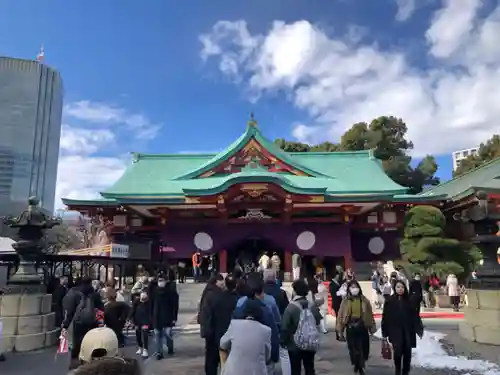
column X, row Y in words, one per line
column 81, row 311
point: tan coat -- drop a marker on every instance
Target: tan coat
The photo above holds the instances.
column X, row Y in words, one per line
column 345, row 312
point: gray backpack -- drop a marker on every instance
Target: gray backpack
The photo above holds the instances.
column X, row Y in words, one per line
column 306, row 337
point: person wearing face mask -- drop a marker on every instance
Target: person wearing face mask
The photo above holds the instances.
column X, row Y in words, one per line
column 416, row 291
column 165, row 311
column 356, row 318
column 400, row 325
column 140, row 317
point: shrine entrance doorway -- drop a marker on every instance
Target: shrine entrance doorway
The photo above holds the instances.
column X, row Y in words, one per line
column 248, row 251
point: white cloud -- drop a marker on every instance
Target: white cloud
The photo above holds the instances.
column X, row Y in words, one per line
column 103, row 114
column 82, row 171
column 451, row 27
column 452, row 105
column 81, row 141
column 405, row 9
column 83, row 177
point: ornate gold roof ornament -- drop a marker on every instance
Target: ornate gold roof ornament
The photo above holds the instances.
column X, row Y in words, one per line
column 252, row 122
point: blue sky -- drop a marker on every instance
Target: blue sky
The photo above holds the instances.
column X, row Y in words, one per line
column 163, row 76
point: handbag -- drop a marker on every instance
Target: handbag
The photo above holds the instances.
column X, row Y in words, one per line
column 386, row 350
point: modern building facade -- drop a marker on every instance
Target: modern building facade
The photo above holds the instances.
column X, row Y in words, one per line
column 31, row 103
column 458, row 156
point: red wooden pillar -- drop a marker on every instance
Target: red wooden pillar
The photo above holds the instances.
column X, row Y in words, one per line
column 348, row 262
column 223, row 261
column 287, row 266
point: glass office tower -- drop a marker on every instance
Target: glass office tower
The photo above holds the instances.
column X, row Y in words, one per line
column 31, row 103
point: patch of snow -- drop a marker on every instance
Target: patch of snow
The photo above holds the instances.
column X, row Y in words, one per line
column 430, row 354
column 6, row 245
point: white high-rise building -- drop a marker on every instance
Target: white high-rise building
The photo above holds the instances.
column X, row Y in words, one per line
column 31, row 101
column 458, row 156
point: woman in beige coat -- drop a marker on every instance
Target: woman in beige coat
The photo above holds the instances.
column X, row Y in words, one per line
column 356, row 319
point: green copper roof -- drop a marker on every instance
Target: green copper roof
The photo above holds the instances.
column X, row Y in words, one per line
column 484, row 178
column 97, row 202
column 175, row 176
column 356, row 176
column 240, row 143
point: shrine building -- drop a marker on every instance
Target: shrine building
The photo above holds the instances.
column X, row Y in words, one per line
column 339, row 207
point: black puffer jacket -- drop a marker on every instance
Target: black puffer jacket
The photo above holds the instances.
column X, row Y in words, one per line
column 141, row 313
column 165, row 306
column 73, row 298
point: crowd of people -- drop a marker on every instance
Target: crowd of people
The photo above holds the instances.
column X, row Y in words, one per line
column 250, row 326
column 248, row 322
column 424, row 291
column 88, row 306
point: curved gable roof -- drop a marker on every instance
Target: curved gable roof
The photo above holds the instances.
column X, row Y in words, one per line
column 252, row 132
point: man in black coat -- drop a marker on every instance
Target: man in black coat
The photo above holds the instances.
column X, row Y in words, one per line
column 273, row 289
column 216, row 315
column 58, row 295
column 214, row 284
column 416, row 291
column 335, row 285
column 165, row 312
column 73, row 303
column 401, row 324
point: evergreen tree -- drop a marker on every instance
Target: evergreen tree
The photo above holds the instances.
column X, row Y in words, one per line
column 386, row 135
column 425, row 247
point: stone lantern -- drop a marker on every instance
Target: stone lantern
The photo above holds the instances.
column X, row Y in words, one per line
column 482, row 316
column 25, row 309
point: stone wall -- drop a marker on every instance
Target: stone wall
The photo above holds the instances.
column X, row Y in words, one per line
column 28, row 323
column 482, row 317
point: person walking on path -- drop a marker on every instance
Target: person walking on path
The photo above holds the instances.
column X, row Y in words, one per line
column 58, row 295
column 165, row 311
column 271, row 315
column 140, row 286
column 296, row 326
column 273, row 289
column 207, row 323
column 141, row 319
column 196, row 260
column 400, row 325
column 246, row 346
column 181, row 271
column 296, row 266
column 217, row 312
column 115, row 315
column 214, row 284
column 276, row 264
column 453, row 291
column 81, row 307
column 356, row 318
column 386, row 288
column 335, row 285
column 416, row 291
column 264, row 262
column 376, row 294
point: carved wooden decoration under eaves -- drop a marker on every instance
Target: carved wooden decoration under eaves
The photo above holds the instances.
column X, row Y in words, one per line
column 252, row 155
